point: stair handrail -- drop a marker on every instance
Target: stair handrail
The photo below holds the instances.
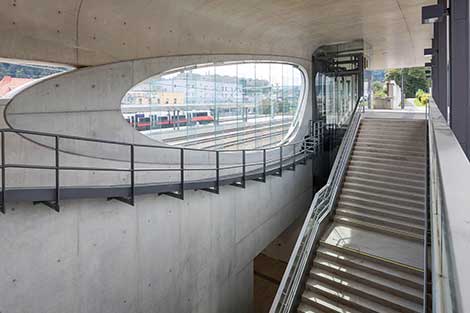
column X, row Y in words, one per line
column 322, row 204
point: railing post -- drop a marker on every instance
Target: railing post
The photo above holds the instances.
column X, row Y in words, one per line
column 264, row 165
column 244, row 169
column 3, row 173
column 181, row 191
column 132, row 160
column 279, row 173
column 293, row 158
column 57, row 177
column 263, row 177
column 217, row 171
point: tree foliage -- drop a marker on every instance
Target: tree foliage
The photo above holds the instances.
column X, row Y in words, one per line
column 414, row 79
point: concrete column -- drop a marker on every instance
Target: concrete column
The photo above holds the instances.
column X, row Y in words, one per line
column 459, row 75
column 441, row 66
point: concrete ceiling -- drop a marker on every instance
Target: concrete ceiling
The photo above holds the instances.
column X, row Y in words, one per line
column 91, row 32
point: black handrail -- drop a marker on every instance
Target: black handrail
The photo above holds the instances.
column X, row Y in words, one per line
column 130, row 198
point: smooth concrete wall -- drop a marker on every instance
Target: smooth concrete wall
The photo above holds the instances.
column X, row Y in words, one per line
column 163, row 255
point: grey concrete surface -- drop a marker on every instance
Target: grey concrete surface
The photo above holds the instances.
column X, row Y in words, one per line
column 98, row 32
column 163, row 255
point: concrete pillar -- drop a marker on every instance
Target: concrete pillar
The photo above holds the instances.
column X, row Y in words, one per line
column 441, row 66
column 459, row 75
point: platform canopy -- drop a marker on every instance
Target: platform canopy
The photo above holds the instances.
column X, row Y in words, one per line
column 90, row 32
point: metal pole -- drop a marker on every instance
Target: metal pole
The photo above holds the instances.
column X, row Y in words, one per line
column 57, row 177
column 244, row 168
column 293, row 158
column 181, row 174
column 217, row 171
column 3, row 173
column 132, row 176
column 264, row 165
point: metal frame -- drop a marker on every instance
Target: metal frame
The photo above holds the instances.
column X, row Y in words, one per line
column 51, row 196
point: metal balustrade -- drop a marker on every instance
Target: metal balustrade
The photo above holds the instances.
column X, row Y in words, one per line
column 301, row 151
column 322, row 205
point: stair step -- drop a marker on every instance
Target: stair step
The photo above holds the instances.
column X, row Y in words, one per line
column 411, row 145
column 389, row 167
column 381, row 197
column 385, row 205
column 388, row 161
column 364, row 290
column 409, row 136
column 306, row 308
column 373, row 280
column 386, row 191
column 415, row 217
column 384, row 183
column 317, row 301
column 386, row 173
column 387, row 151
column 380, row 220
column 346, row 298
column 391, row 156
column 379, row 228
column 401, row 274
column 390, row 146
column 392, row 130
column 380, row 176
column 393, row 121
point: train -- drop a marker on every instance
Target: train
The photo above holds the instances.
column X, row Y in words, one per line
column 168, row 119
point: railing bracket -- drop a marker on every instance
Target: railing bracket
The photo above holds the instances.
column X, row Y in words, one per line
column 211, row 190
column 239, row 184
column 51, row 204
column 177, row 195
column 129, row 201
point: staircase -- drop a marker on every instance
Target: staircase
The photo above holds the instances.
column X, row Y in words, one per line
column 367, row 261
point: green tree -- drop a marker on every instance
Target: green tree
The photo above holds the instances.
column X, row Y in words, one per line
column 414, row 79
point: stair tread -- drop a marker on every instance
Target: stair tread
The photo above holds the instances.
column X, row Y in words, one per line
column 382, row 150
column 405, row 176
column 409, row 214
column 370, row 262
column 378, row 175
column 349, row 299
column 306, row 308
column 328, row 304
column 378, row 203
column 382, row 197
column 371, row 278
column 371, row 188
column 389, row 160
column 377, row 227
column 390, row 156
column 357, row 287
column 384, row 221
column 374, row 181
column 403, row 168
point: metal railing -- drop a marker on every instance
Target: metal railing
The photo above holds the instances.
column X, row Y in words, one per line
column 322, row 204
column 301, row 151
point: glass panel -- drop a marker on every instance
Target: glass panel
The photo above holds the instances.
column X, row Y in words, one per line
column 227, row 106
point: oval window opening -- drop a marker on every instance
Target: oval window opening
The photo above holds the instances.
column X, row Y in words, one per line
column 224, row 107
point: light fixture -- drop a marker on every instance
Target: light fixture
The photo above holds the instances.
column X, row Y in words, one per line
column 433, row 13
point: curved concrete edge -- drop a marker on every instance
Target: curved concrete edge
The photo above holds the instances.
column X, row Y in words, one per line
column 87, row 102
column 163, row 255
